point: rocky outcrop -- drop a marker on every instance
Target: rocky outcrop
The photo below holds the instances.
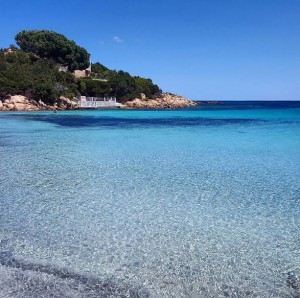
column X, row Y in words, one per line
column 164, row 101
column 22, row 103
column 17, row 103
column 65, row 103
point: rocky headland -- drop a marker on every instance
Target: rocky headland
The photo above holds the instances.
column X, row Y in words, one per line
column 164, row 101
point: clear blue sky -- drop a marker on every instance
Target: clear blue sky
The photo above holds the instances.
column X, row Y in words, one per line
column 201, row 49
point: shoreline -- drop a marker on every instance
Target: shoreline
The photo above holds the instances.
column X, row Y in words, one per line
column 164, row 101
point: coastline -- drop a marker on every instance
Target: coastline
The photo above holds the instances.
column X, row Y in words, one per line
column 164, row 101
column 22, row 103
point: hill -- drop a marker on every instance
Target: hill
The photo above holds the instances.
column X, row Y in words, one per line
column 47, row 66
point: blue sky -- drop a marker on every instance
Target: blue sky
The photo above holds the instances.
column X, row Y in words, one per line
column 204, row 50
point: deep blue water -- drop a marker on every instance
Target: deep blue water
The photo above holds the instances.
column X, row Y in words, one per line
column 202, row 202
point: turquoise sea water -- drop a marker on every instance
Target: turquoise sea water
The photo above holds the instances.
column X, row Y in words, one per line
column 203, row 202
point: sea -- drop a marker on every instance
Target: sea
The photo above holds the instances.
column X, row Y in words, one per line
column 199, row 202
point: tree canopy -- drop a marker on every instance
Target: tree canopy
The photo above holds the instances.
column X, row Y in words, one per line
column 123, row 85
column 90, row 87
column 52, row 45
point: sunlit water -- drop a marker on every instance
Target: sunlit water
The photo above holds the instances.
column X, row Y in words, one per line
column 193, row 203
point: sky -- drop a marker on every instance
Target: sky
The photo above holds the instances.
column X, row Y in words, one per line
column 200, row 49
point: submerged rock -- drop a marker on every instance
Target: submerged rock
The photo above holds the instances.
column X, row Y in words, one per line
column 26, row 279
column 292, row 280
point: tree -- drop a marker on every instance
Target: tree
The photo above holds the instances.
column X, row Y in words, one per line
column 123, row 86
column 146, row 86
column 99, row 71
column 90, row 87
column 52, row 45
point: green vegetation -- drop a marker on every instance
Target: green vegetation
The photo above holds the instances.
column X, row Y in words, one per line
column 99, row 71
column 90, row 87
column 146, row 86
column 123, row 85
column 33, row 71
column 24, row 74
column 51, row 45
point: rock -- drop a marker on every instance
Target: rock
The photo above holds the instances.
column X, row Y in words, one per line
column 32, row 108
column 18, row 99
column 65, row 100
column 65, row 103
column 33, row 103
column 9, row 106
column 21, row 103
column 62, row 107
column 20, row 107
column 143, row 96
column 42, row 104
column 163, row 101
column 74, row 104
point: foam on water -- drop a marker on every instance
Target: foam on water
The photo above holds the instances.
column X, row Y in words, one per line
column 195, row 203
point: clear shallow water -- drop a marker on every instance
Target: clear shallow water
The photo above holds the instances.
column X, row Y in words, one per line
column 192, row 203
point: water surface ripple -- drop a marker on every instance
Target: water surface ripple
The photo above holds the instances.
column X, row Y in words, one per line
column 202, row 202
